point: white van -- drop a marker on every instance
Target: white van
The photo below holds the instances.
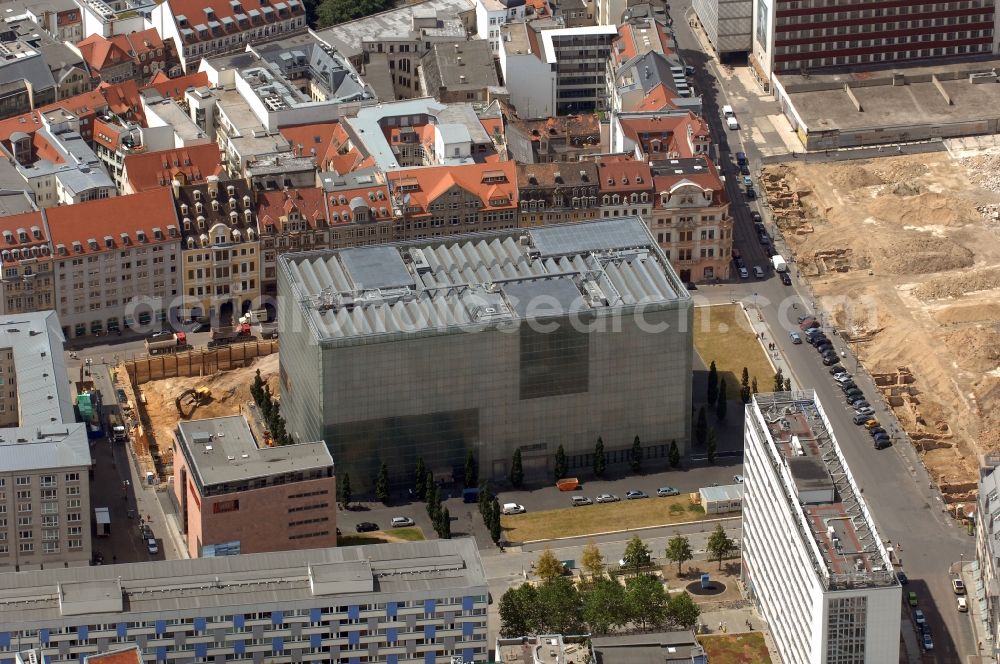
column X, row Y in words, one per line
column 732, row 123
column 513, row 508
column 727, row 111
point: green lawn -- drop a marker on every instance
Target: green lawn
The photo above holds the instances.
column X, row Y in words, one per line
column 382, row 537
column 722, row 334
column 736, row 648
column 590, row 519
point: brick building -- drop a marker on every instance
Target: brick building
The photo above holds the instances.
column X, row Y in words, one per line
column 228, row 484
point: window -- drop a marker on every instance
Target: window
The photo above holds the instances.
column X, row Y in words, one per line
column 22, row 481
column 226, row 506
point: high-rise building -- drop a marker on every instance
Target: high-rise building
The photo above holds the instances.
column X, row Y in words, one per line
column 487, row 342
column 44, row 452
column 813, row 563
column 394, row 603
column 790, row 37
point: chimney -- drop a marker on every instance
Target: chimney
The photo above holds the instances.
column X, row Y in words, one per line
column 176, row 184
column 213, row 185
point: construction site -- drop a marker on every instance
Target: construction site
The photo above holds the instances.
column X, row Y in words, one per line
column 155, row 406
column 904, row 253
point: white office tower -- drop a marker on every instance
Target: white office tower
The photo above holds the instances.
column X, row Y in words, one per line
column 813, row 563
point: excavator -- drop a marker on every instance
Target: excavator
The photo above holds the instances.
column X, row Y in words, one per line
column 194, row 398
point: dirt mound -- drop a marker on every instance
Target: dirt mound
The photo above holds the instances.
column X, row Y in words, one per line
column 954, row 285
column 906, row 189
column 923, row 208
column 919, row 254
column 983, row 170
column 899, row 170
column 968, row 313
column 975, row 348
column 848, row 177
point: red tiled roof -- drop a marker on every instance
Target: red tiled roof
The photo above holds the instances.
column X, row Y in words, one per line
column 273, row 206
column 12, row 226
column 655, row 100
column 110, row 217
column 709, row 179
column 194, row 11
column 619, row 173
column 670, row 130
column 123, row 99
column 341, row 156
column 318, row 137
column 127, row 656
column 174, row 88
column 144, row 41
column 426, row 185
column 101, row 52
column 150, row 170
column 492, row 126
column 375, row 196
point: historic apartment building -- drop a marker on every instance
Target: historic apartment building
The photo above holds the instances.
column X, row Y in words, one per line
column 26, row 281
column 557, row 193
column 44, row 452
column 220, row 249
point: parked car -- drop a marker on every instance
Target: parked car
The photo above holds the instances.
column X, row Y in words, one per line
column 608, row 498
column 401, row 522
column 366, row 527
column 579, row 501
column 751, row 194
column 755, row 216
column 855, row 398
column 744, row 274
column 876, row 430
column 741, row 158
column 836, row 370
column 763, row 238
column 958, row 586
column 911, row 598
column 785, row 279
column 744, row 169
column 901, row 577
column 665, row 491
column 513, row 508
column 861, row 418
column 918, row 617
column 830, row 359
column 869, row 412
column 825, row 347
column 861, row 405
column 747, row 181
column 758, row 271
column 152, row 547
column 808, row 323
column 882, row 443
column 927, row 642
column 963, row 604
column 843, row 378
column 853, row 391
column 795, row 337
column 847, row 385
column 738, row 479
column 635, row 494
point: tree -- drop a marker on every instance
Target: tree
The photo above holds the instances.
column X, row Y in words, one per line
column 592, row 562
column 679, row 551
column 636, row 458
column 637, row 555
column 600, row 463
column 420, row 479
column 445, row 531
column 345, row 491
column 257, row 388
column 710, row 450
column 484, row 497
column 753, row 385
column 721, row 405
column 682, row 610
column 560, row 469
column 516, row 470
column 745, row 379
column 701, row 428
column 471, row 470
column 382, row 483
column 560, row 607
column 433, row 502
column 604, row 605
column 779, row 381
column 332, row 12
column 713, row 384
column 496, row 531
column 675, row 454
column 745, row 386
column 647, row 601
column 720, row 545
column 548, row 567
column 518, row 611
column 788, row 385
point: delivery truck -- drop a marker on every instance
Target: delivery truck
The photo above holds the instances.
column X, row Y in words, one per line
column 167, row 342
column 779, row 264
column 102, row 521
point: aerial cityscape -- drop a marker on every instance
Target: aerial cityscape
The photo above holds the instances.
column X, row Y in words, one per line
column 499, row 331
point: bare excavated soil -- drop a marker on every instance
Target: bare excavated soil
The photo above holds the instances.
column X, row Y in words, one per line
column 905, row 253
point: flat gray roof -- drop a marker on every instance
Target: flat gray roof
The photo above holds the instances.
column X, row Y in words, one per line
column 822, row 103
column 396, row 24
column 227, row 584
column 223, row 449
column 480, row 279
column 48, row 435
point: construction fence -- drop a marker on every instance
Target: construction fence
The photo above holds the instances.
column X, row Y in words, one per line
column 197, row 362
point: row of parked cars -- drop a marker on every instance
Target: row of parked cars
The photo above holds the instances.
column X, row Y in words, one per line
column 633, row 494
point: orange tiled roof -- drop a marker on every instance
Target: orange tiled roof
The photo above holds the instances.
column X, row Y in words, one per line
column 195, row 13
column 174, row 88
column 111, row 217
column 618, row 173
column 127, row 656
column 11, row 229
column 655, row 100
column 672, row 129
column 273, row 206
column 709, row 179
column 375, row 196
column 426, row 185
column 317, row 136
column 101, row 52
column 150, row 170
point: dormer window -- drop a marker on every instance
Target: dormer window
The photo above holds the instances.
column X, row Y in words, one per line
column 157, row 234
column 61, row 249
column 109, row 242
column 638, row 179
column 92, row 243
column 625, row 180
column 77, row 245
column 125, row 238
column 140, row 236
column 172, row 230
column 197, row 194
